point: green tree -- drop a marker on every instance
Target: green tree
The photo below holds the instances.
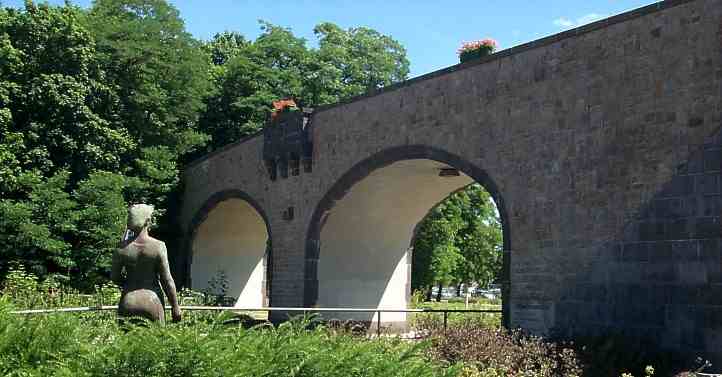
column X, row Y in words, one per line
column 480, row 241
column 223, row 118
column 159, row 71
column 56, row 110
column 224, row 47
column 96, row 109
column 33, row 231
column 458, row 242
column 99, row 223
column 161, row 75
column 58, row 121
column 244, row 87
column 361, row 59
column 437, row 244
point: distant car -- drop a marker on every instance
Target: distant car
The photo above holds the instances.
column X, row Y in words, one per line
column 491, row 294
column 446, row 292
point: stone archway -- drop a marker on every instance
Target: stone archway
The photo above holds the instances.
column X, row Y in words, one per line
column 230, row 235
column 357, row 242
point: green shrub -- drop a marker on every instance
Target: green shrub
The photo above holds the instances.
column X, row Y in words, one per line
column 36, row 345
column 190, row 297
column 26, row 291
column 21, row 287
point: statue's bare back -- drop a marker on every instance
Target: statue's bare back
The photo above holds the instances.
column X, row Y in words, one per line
column 144, row 260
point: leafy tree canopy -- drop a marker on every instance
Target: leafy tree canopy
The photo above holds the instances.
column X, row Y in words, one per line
column 159, row 70
column 91, row 119
column 249, row 75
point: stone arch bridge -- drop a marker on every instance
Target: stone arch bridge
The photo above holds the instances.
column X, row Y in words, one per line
column 600, row 146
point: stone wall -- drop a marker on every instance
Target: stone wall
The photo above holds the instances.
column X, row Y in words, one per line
column 601, row 144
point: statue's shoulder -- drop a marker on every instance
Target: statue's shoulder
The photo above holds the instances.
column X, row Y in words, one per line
column 157, row 245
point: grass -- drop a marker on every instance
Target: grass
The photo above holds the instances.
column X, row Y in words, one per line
column 435, row 320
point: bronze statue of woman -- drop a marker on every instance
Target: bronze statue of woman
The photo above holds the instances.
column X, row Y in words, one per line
column 138, row 266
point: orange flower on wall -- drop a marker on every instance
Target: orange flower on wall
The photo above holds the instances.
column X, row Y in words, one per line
column 488, row 44
column 282, row 104
column 476, row 49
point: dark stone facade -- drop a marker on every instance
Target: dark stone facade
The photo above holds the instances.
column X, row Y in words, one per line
column 602, row 142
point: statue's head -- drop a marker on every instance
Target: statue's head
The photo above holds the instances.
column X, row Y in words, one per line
column 139, row 217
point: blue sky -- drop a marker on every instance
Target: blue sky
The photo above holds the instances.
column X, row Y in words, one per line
column 431, row 31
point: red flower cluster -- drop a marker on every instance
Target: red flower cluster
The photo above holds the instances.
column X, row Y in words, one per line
column 283, row 103
column 279, row 105
column 475, row 45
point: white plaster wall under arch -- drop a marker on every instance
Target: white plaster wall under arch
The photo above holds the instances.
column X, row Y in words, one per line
column 232, row 239
column 364, row 259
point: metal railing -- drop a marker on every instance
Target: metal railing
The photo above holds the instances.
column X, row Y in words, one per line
column 305, row 311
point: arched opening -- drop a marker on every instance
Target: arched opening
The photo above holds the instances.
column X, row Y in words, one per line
column 358, row 250
column 458, row 253
column 230, row 252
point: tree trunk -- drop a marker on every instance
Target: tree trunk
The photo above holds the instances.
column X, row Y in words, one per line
column 429, row 291
column 438, row 294
column 458, row 290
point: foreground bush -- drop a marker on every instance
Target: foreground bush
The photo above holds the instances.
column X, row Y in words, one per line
column 497, row 352
column 492, row 352
column 71, row 345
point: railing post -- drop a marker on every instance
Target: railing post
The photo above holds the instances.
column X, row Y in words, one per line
column 378, row 323
column 446, row 315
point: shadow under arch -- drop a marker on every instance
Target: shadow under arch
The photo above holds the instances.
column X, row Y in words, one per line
column 202, row 215
column 383, row 159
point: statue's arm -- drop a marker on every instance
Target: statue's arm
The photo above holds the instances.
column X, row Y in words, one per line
column 116, row 270
column 168, row 284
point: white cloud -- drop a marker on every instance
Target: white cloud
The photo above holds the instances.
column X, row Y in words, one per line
column 564, row 22
column 591, row 17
